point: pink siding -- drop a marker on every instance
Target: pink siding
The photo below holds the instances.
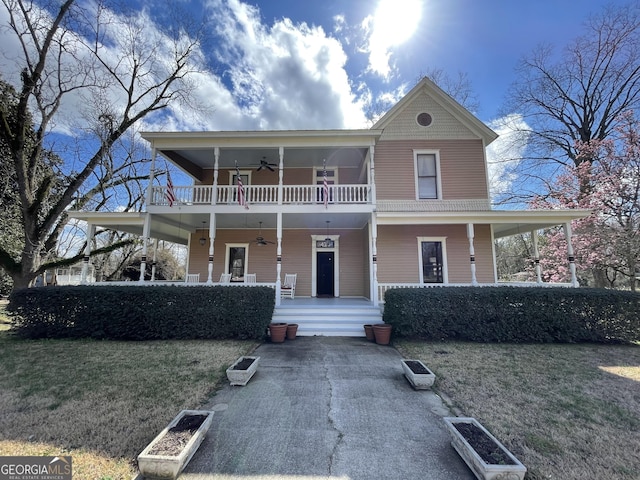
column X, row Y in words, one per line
column 296, row 257
column 461, row 165
column 398, row 252
column 291, row 176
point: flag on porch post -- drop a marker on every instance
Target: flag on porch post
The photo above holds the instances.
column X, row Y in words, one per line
column 325, row 184
column 169, row 194
column 241, row 197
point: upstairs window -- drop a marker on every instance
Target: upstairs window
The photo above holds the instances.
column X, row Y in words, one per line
column 427, row 175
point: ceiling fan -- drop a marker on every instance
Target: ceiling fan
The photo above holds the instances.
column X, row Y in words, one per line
column 260, row 241
column 264, row 163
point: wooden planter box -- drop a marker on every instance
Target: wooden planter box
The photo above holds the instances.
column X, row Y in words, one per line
column 242, row 376
column 422, row 379
column 508, row 469
column 168, row 467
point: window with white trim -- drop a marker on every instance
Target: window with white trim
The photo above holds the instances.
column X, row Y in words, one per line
column 432, row 255
column 236, row 260
column 427, row 171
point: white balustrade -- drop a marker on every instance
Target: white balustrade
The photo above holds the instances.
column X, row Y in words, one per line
column 263, row 194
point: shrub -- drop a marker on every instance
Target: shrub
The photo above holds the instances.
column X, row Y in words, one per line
column 142, row 312
column 513, row 314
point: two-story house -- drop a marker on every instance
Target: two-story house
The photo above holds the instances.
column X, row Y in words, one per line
column 350, row 212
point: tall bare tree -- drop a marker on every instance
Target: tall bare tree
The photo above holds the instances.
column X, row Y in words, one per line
column 576, row 95
column 89, row 74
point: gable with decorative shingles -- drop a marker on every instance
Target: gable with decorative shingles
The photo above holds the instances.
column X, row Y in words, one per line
column 450, row 121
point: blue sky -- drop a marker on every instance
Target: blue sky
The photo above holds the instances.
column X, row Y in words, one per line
column 293, row 64
column 274, row 64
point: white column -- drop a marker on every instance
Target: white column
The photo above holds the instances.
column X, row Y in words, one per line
column 279, row 257
column 570, row 255
column 372, row 175
column 151, row 176
column 145, row 241
column 472, row 253
column 91, row 233
column 153, row 264
column 374, row 259
column 280, row 175
column 536, row 256
column 214, row 193
column 212, row 237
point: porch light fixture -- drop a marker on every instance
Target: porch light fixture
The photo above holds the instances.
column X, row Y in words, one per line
column 202, row 240
column 328, row 239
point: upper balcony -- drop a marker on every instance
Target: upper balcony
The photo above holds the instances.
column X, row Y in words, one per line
column 283, row 169
column 264, row 195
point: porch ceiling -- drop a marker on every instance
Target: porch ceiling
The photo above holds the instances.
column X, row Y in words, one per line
column 194, row 160
column 176, row 227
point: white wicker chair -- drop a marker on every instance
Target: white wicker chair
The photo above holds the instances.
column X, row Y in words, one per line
column 288, row 289
column 250, row 278
column 225, row 278
column 192, row 278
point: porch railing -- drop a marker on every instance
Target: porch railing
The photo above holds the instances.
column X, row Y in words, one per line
column 264, row 194
column 383, row 287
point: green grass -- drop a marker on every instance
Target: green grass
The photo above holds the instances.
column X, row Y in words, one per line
column 566, row 411
column 102, row 402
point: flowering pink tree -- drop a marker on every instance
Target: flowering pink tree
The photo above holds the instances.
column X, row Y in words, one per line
column 607, row 243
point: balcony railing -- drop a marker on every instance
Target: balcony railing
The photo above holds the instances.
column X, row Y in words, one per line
column 264, row 194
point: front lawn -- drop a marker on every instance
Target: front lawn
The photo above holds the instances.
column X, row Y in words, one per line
column 102, row 402
column 566, row 411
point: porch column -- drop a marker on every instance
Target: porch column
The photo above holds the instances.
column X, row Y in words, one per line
column 91, row 233
column 279, row 255
column 152, row 174
column 212, row 237
column 145, row 241
column 372, row 175
column 536, row 256
column 472, row 253
column 153, row 264
column 280, row 175
column 374, row 259
column 570, row 255
column 214, row 189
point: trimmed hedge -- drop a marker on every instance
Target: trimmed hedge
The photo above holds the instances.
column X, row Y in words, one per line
column 142, row 312
column 514, row 314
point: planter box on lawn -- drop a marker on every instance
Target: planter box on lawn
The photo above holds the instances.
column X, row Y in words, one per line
column 242, row 370
column 487, row 458
column 419, row 376
column 168, row 453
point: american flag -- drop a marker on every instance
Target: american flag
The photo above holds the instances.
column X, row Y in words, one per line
column 325, row 185
column 169, row 194
column 241, row 197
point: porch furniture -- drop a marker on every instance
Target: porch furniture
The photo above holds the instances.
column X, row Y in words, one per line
column 250, row 278
column 192, row 278
column 225, row 278
column 288, row 289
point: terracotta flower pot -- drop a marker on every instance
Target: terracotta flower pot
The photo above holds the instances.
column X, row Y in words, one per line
column 292, row 329
column 382, row 333
column 278, row 332
column 368, row 331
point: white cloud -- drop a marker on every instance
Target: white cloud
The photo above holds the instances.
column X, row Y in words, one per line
column 285, row 76
column 505, row 153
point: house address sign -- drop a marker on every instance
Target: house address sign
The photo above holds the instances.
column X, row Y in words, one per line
column 326, row 243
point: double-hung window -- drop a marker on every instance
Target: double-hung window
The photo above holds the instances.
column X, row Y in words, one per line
column 427, row 168
column 432, row 254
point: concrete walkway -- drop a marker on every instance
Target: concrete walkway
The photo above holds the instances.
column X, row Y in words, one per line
column 327, row 408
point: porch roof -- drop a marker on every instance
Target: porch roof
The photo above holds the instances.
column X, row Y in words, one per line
column 177, row 227
column 504, row 222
